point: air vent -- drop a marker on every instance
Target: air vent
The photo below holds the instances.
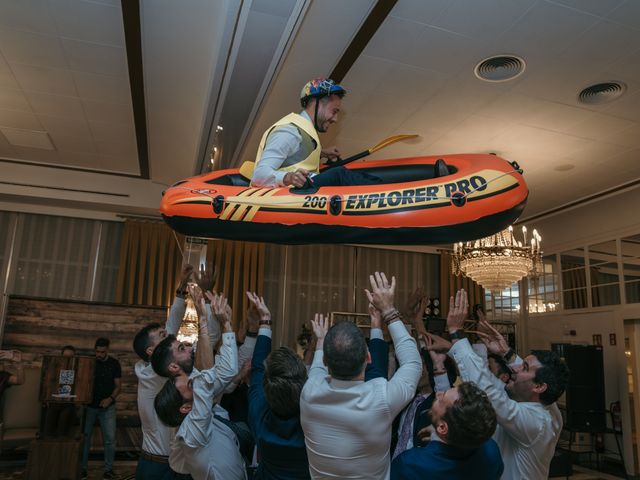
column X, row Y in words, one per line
column 602, row 93
column 500, row 68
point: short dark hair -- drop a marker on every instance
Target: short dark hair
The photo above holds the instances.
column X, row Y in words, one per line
column 284, row 377
column 553, row 372
column 471, row 419
column 167, row 404
column 142, row 341
column 345, row 350
column 503, row 368
column 162, row 356
column 102, row 342
column 69, row 347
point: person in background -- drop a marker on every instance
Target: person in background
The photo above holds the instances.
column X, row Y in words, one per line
column 529, row 421
column 15, row 374
column 461, row 446
column 346, row 421
column 106, row 388
column 290, row 151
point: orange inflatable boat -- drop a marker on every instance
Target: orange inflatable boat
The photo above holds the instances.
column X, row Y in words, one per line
column 423, row 200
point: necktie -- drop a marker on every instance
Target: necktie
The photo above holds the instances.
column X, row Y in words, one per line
column 406, row 431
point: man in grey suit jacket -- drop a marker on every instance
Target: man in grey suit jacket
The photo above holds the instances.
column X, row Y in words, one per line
column 347, row 422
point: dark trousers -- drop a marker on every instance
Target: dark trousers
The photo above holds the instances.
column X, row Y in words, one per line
column 171, row 475
column 148, row 470
column 340, row 176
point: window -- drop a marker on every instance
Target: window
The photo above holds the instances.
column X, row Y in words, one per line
column 603, row 274
column 61, row 257
column 503, row 306
column 544, row 291
column 631, row 268
column 574, row 279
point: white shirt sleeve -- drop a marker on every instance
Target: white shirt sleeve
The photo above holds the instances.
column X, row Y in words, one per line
column 441, row 382
column 196, row 428
column 176, row 314
column 281, row 144
column 521, row 423
column 245, row 352
column 402, row 386
column 213, row 326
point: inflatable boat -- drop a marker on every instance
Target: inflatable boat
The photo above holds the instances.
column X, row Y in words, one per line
column 422, row 200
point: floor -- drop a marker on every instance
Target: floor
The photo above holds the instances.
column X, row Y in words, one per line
column 125, row 469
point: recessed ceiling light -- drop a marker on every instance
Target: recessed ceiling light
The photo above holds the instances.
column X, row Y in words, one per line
column 564, row 167
column 602, row 93
column 499, row 68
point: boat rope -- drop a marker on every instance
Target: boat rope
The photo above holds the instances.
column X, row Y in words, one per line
column 248, row 201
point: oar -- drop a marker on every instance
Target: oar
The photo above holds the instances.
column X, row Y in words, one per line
column 246, row 170
column 375, row 148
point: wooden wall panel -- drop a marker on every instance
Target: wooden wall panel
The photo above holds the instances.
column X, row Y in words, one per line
column 43, row 326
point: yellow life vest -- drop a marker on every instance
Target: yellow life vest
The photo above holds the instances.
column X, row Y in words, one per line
column 308, row 155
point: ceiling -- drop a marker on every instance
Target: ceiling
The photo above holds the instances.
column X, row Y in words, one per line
column 77, row 112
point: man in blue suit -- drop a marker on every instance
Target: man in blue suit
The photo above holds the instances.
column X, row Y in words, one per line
column 461, row 446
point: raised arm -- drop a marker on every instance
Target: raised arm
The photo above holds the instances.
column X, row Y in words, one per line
column 178, row 307
column 204, row 351
column 206, row 279
column 257, row 401
column 320, row 327
column 402, row 386
column 378, row 348
column 514, row 417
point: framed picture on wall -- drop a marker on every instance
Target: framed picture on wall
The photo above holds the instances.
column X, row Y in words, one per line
column 597, row 339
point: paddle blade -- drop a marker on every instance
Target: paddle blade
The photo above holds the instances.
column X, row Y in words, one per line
column 389, row 141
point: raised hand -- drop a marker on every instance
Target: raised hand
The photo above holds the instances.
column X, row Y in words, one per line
column 257, row 312
column 438, row 348
column 320, row 327
column 436, row 343
column 185, row 275
column 382, row 292
column 458, row 310
column 198, row 300
column 220, row 309
column 206, row 278
column 492, row 338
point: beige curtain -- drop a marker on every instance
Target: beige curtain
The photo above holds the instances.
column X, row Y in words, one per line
column 450, row 284
column 150, row 262
column 240, row 268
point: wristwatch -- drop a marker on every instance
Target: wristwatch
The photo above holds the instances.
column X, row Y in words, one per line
column 265, row 322
column 457, row 335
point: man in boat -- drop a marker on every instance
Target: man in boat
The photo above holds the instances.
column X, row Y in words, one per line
column 289, row 153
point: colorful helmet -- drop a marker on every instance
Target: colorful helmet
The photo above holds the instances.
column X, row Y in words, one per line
column 320, row 87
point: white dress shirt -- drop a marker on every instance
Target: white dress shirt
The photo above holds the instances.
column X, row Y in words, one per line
column 205, row 447
column 156, row 436
column 527, row 432
column 282, row 143
column 347, row 424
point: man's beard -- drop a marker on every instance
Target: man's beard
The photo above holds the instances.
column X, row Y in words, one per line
column 187, row 365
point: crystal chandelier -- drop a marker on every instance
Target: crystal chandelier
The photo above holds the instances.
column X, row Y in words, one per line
column 189, row 328
column 498, row 261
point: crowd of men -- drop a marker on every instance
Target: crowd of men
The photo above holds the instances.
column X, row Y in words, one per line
column 403, row 404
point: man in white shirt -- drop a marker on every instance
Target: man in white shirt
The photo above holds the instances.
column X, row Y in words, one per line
column 290, row 151
column 156, row 437
column 208, row 448
column 529, row 421
column 347, row 422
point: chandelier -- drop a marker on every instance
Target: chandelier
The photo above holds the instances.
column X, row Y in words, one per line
column 189, row 327
column 498, row 261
